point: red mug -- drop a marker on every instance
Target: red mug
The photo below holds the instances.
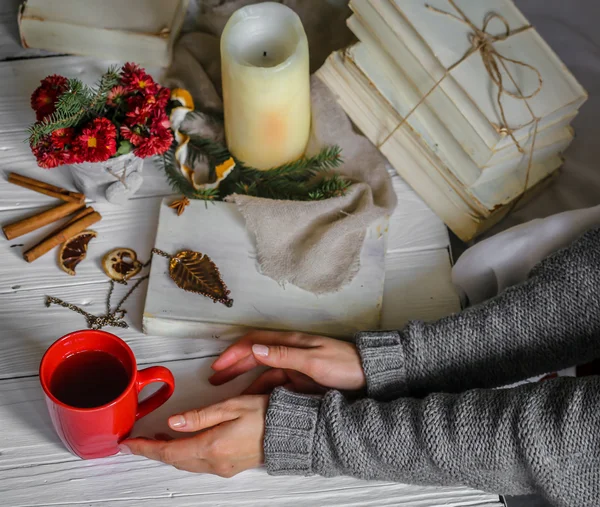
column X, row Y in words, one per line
column 93, row 397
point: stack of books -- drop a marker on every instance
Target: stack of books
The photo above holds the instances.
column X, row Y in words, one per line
column 416, row 88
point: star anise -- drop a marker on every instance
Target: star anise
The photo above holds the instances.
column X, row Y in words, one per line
column 179, row 205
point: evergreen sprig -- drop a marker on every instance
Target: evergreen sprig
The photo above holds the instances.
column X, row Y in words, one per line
column 303, row 180
column 335, row 186
column 79, row 103
column 179, row 182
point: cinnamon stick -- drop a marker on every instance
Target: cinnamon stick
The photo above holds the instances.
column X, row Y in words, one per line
column 45, row 188
column 16, row 229
column 83, row 213
column 61, row 236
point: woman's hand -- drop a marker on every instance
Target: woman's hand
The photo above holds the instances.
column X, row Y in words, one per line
column 232, row 440
column 300, row 362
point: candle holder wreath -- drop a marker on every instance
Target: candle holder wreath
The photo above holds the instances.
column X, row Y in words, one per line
column 102, row 133
column 200, row 166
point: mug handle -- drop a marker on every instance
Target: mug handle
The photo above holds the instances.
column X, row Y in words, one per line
column 148, row 376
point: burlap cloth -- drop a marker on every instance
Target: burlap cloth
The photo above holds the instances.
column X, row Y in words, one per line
column 313, row 245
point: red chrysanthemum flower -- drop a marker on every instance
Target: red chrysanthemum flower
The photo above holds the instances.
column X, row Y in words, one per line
column 159, row 121
column 47, row 155
column 128, row 70
column 139, row 109
column 131, row 135
column 49, row 159
column 163, row 96
column 155, row 145
column 44, row 98
column 98, row 141
column 75, row 155
column 116, row 96
column 62, row 138
column 55, row 82
column 137, row 116
column 42, row 102
column 136, row 79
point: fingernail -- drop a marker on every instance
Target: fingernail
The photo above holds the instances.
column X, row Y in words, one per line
column 124, row 449
column 177, row 421
column 260, row 350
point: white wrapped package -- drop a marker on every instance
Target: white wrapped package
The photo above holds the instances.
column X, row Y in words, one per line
column 426, row 44
column 506, row 259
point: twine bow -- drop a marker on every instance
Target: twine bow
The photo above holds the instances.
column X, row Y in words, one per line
column 494, row 62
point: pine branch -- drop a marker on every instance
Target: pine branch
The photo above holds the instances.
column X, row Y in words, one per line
column 329, row 188
column 299, row 180
column 179, row 182
column 328, row 159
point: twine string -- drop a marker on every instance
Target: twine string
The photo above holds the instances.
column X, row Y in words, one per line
column 482, row 42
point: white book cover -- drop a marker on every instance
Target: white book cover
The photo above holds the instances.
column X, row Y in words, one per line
column 219, row 231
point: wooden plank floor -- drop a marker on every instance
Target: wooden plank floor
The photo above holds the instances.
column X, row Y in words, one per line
column 35, row 468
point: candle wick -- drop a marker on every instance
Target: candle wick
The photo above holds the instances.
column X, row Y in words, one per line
column 265, row 53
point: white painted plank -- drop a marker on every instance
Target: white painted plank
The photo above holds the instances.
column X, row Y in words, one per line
column 29, row 328
column 413, row 226
column 36, row 466
column 132, row 225
column 219, row 232
column 372, row 496
column 28, row 438
column 418, row 286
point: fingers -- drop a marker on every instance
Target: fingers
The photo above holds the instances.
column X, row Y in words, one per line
column 183, row 455
column 200, row 419
column 268, row 381
column 151, row 449
column 243, row 347
column 171, row 452
column 282, row 356
column 233, row 354
column 243, row 366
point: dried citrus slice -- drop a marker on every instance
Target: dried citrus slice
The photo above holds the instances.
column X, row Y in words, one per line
column 121, row 264
column 74, row 250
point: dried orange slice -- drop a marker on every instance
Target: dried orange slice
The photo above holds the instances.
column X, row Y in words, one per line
column 74, row 250
column 121, row 264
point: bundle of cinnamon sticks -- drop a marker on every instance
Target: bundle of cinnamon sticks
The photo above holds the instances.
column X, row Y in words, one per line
column 73, row 204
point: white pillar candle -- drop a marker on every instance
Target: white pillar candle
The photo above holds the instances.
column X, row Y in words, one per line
column 266, row 85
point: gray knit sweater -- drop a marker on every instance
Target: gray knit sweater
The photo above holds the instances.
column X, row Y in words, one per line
column 431, row 416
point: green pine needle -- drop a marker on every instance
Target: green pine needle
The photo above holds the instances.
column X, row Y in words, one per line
column 307, row 179
column 179, row 182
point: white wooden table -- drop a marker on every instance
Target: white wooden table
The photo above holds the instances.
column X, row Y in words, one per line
column 35, row 468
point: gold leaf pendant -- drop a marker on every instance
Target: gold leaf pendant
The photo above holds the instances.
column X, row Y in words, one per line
column 196, row 272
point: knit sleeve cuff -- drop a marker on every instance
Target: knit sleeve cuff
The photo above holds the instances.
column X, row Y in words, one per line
column 290, row 429
column 383, row 362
